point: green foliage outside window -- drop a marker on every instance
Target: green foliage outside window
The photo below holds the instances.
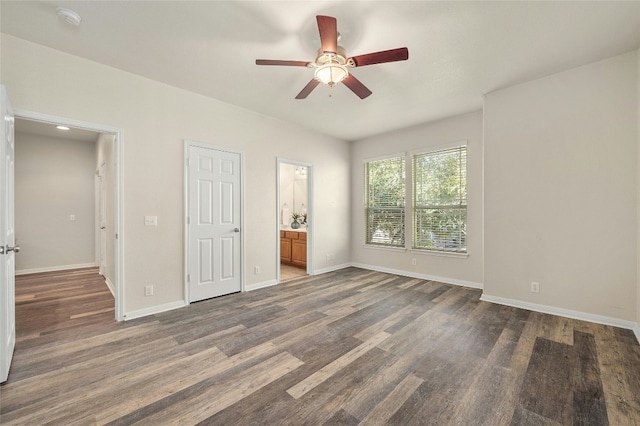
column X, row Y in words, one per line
column 385, row 201
column 440, row 200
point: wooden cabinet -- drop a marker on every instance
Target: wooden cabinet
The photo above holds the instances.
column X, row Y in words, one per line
column 293, row 248
column 285, row 250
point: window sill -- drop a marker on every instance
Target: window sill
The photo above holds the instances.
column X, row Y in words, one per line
column 385, row 248
column 440, row 253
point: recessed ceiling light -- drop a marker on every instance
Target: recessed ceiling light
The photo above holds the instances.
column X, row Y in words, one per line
column 62, row 128
column 69, row 16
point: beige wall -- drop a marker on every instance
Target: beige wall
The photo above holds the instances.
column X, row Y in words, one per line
column 54, row 179
column 560, row 189
column 156, row 119
column 467, row 127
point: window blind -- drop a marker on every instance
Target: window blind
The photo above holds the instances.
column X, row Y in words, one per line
column 385, row 202
column 440, row 200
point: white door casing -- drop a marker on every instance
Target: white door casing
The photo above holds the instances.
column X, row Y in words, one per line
column 7, row 238
column 214, row 219
column 116, row 177
column 102, row 217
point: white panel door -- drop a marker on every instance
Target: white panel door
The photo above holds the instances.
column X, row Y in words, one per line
column 214, row 218
column 8, row 248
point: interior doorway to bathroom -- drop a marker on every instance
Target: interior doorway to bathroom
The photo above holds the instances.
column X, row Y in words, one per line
column 294, row 219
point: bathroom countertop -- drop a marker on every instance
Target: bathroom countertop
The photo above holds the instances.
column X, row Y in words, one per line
column 289, row 229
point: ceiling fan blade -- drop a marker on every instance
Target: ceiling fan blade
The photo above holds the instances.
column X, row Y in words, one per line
column 307, row 89
column 328, row 28
column 393, row 55
column 356, row 86
column 278, row 62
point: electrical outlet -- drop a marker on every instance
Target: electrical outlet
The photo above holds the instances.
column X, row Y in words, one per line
column 413, row 261
column 328, row 256
column 535, row 287
column 72, row 217
column 148, row 290
column 256, row 270
column 151, row 221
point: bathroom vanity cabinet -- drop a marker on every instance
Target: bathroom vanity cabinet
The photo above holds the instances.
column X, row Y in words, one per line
column 293, row 248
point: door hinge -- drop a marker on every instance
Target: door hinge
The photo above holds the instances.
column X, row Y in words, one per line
column 188, row 220
column 188, row 278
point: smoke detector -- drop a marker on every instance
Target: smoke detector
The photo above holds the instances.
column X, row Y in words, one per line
column 69, row 16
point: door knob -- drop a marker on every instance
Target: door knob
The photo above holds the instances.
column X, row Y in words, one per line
column 7, row 249
column 236, row 229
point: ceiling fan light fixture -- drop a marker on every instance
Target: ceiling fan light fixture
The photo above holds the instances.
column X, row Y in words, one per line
column 331, row 74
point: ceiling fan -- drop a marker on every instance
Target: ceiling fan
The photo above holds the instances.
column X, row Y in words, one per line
column 332, row 63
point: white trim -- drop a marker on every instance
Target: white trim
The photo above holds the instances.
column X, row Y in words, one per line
column 636, row 331
column 386, row 248
column 154, row 310
column 257, row 286
column 453, row 281
column 109, row 284
column 568, row 313
column 332, row 268
column 401, row 154
column 441, row 253
column 119, row 189
column 310, row 213
column 436, row 148
column 56, row 268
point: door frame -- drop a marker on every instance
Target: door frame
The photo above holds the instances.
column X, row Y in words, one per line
column 188, row 144
column 118, row 208
column 310, row 206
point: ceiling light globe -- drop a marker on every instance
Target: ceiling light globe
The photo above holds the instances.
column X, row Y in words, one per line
column 331, row 74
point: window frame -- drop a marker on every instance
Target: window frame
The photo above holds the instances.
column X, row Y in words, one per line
column 402, row 156
column 412, row 228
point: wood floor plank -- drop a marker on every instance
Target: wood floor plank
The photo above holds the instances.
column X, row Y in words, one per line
column 347, row 347
column 387, row 407
column 325, row 372
column 208, row 400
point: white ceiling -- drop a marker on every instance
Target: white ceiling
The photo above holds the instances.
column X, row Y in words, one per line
column 50, row 130
column 458, row 51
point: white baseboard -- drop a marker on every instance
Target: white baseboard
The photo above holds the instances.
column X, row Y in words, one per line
column 636, row 331
column 420, row 276
column 568, row 313
column 331, row 268
column 110, row 285
column 154, row 310
column 263, row 284
column 55, row 268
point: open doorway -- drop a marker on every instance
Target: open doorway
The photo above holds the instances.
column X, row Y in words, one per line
column 294, row 219
column 75, row 172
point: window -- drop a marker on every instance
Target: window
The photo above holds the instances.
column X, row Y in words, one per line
column 440, row 200
column 385, row 201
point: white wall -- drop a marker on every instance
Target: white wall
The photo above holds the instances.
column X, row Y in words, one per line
column 560, row 189
column 467, row 127
column 105, row 154
column 54, row 178
column 156, row 119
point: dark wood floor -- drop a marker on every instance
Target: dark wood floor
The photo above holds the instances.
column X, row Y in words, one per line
column 344, row 348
